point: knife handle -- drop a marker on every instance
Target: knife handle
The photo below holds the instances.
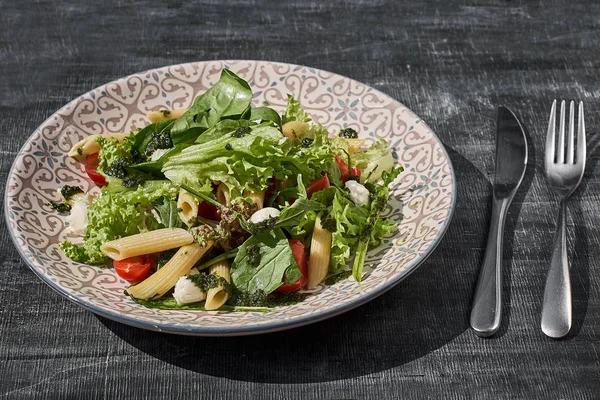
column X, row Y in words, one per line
column 486, row 312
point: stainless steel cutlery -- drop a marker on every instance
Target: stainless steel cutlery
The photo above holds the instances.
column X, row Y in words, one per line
column 564, row 167
column 511, row 161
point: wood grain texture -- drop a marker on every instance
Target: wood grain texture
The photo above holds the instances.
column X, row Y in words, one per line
column 451, row 62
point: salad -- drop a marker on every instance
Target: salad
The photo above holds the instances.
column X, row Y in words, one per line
column 226, row 206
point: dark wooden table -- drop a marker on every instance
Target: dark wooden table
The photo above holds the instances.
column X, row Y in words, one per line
column 452, row 63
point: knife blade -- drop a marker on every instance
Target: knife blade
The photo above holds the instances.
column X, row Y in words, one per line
column 511, row 163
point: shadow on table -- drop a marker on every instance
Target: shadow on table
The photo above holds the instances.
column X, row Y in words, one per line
column 420, row 315
column 579, row 249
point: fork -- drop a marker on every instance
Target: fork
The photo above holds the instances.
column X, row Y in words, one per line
column 563, row 173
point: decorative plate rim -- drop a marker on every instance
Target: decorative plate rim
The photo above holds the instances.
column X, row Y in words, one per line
column 250, row 329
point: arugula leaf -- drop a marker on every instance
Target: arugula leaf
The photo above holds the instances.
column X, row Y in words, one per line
column 374, row 228
column 167, row 210
column 276, row 261
column 292, row 215
column 223, row 256
column 262, row 114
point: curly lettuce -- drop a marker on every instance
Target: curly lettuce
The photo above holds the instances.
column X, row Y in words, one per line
column 115, row 214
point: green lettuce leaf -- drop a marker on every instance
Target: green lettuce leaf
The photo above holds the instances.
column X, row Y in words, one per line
column 294, row 111
column 116, row 214
column 374, row 161
column 243, row 159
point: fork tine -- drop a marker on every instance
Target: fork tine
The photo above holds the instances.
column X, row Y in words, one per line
column 581, row 136
column 571, row 138
column 560, row 156
column 550, row 139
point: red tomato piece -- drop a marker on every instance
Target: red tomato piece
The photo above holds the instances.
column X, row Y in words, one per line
column 344, row 173
column 91, row 166
column 134, row 269
column 300, row 257
column 317, row 184
column 355, row 171
column 208, row 211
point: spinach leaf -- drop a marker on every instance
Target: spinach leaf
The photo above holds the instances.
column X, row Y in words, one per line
column 276, row 261
column 228, row 99
column 265, row 114
column 145, row 136
column 167, row 210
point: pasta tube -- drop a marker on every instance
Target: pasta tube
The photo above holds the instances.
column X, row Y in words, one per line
column 217, row 296
column 354, row 145
column 146, row 243
column 88, row 144
column 188, row 205
column 155, row 116
column 165, row 278
column 258, row 198
column 223, row 196
column 320, row 251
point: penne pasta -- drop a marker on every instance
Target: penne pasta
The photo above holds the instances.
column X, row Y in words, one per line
column 165, row 278
column 354, row 145
column 217, row 296
column 146, row 243
column 155, row 116
column 320, row 251
column 223, row 196
column 258, row 198
column 188, row 205
column 88, row 145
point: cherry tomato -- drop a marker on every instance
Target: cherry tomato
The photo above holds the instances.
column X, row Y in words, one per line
column 134, row 269
column 300, row 257
column 355, row 171
column 91, row 166
column 208, row 211
column 344, row 172
column 317, row 184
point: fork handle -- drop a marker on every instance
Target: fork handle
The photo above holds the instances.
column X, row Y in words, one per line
column 556, row 308
column 486, row 312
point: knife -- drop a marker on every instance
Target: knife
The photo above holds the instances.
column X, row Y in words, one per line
column 511, row 161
